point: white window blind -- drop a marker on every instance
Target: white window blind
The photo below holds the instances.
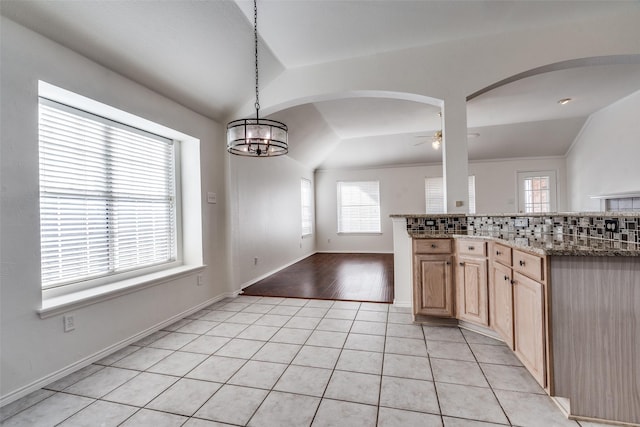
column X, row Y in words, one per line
column 305, row 199
column 358, row 207
column 107, row 197
column 434, row 195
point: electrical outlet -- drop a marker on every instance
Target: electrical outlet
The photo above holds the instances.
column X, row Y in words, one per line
column 430, row 223
column 611, row 225
column 200, row 282
column 521, row 222
column 69, row 322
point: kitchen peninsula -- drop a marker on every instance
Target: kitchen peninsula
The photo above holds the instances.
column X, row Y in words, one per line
column 561, row 289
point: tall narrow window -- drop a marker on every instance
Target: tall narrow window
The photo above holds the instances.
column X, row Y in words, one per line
column 107, row 197
column 434, row 195
column 537, row 191
column 305, row 201
column 359, row 207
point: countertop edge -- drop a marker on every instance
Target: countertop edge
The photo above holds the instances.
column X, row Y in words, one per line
column 536, row 251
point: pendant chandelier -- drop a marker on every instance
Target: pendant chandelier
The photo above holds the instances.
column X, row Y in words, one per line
column 257, row 137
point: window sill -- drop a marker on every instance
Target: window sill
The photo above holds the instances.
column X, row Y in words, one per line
column 64, row 303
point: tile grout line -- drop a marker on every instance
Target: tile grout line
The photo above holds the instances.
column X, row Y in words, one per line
column 485, row 377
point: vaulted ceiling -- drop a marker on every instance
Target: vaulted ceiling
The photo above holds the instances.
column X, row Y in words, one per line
column 199, row 53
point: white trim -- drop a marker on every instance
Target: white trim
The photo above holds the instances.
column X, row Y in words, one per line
column 353, row 252
column 61, row 373
column 265, row 275
column 402, row 304
column 64, row 303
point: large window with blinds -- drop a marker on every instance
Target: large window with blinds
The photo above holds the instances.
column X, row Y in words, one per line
column 107, row 197
column 434, row 195
column 306, row 207
column 359, row 207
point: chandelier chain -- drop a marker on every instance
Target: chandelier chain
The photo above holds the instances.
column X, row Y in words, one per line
column 255, row 38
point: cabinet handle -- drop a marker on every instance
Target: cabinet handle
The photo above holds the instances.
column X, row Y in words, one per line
column 521, row 263
column 513, row 282
column 471, row 248
column 448, row 262
column 433, row 245
column 506, row 277
column 461, row 264
column 498, row 253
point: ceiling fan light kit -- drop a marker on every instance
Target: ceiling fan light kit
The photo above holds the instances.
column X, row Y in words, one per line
column 257, row 137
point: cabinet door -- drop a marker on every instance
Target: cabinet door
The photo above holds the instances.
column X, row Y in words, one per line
column 471, row 281
column 528, row 322
column 501, row 302
column 433, row 286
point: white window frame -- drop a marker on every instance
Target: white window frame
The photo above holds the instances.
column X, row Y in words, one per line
column 522, row 176
column 189, row 213
column 434, row 194
column 369, row 199
column 306, row 207
column 54, row 112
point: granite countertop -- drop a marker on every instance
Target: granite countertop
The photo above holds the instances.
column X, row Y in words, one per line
column 547, row 244
column 615, row 214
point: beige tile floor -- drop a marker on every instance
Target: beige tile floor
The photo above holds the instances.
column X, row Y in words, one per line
column 255, row 361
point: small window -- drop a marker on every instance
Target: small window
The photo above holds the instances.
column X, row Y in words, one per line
column 434, row 195
column 305, row 199
column 537, row 191
column 359, row 207
column 107, row 197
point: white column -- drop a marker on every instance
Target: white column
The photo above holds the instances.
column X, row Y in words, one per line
column 455, row 161
column 402, row 264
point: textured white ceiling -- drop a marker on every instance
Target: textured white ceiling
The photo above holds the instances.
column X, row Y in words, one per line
column 199, row 53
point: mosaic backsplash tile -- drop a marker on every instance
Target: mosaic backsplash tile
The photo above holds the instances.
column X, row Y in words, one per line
column 575, row 225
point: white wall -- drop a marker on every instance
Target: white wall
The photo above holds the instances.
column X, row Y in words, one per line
column 34, row 349
column 605, row 157
column 496, row 182
column 266, row 216
column 402, row 192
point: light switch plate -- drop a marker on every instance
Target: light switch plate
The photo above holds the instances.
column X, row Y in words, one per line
column 212, row 198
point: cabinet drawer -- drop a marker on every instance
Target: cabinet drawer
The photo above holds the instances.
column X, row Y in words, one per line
column 431, row 246
column 471, row 247
column 528, row 264
column 501, row 254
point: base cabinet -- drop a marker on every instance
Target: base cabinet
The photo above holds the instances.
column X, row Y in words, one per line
column 472, row 291
column 433, row 285
column 528, row 322
column 501, row 297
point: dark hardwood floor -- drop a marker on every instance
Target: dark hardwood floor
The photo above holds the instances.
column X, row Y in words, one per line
column 349, row 277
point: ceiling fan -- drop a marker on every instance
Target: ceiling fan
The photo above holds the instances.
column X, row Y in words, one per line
column 436, row 139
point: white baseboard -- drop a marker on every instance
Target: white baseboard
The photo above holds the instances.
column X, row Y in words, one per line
column 354, row 252
column 61, row 373
column 403, row 304
column 264, row 276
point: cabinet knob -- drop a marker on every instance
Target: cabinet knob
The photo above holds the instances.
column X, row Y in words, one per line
column 513, row 282
column 506, row 277
column 433, row 245
column 462, row 264
column 448, row 262
column 498, row 253
column 471, row 248
column 521, row 263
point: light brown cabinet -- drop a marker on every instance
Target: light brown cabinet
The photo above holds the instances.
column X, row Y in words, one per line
column 518, row 308
column 433, row 277
column 471, row 282
column 433, row 285
column 529, row 325
column 501, row 302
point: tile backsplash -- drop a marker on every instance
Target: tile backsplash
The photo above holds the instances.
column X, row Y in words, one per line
column 576, row 225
